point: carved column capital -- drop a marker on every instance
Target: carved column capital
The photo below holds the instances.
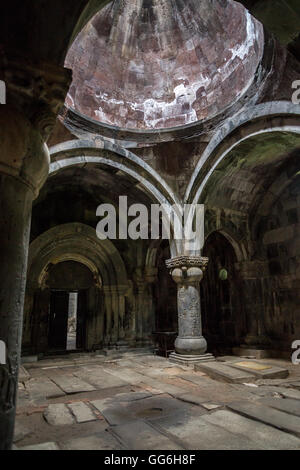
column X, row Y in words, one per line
column 187, row 269
column 23, row 153
column 187, row 262
column 38, row 88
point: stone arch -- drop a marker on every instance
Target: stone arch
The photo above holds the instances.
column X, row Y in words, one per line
column 69, row 241
column 237, row 245
column 82, row 152
column 78, row 242
column 276, row 116
column 223, row 316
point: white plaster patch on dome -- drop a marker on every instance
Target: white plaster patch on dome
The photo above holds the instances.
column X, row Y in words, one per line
column 242, row 50
column 137, row 68
column 156, row 110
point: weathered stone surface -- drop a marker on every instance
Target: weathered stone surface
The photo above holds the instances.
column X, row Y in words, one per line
column 43, row 446
column 187, row 272
column 128, row 397
column 277, row 419
column 99, row 378
column 210, row 406
column 197, row 434
column 261, row 435
column 253, row 353
column 99, row 441
column 58, row 415
column 289, row 393
column 114, row 413
column 139, row 435
column 82, row 412
column 187, row 360
column 71, row 384
column 21, row 431
column 263, row 371
column 42, row 388
column 288, row 405
column 225, row 373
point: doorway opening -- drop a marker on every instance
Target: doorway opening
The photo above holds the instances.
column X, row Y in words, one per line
column 67, row 325
column 222, row 308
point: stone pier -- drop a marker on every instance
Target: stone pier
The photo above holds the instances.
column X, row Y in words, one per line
column 190, row 345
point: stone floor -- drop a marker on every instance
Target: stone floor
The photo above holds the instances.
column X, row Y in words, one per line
column 145, row 402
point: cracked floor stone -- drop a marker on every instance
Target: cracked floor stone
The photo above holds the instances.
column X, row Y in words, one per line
column 148, row 403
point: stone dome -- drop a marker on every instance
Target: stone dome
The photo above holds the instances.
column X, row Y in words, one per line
column 156, row 64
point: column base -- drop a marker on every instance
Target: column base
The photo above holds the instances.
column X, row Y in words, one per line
column 187, row 360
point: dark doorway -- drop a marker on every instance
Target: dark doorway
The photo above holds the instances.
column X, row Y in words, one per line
column 81, row 319
column 58, row 322
column 67, row 323
column 165, row 294
column 221, row 299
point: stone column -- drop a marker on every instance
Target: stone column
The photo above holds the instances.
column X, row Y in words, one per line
column 24, row 166
column 190, row 345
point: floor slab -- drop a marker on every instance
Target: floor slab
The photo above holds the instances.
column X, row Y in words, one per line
column 261, row 370
column 100, row 441
column 272, row 417
column 82, row 412
column 225, row 373
column 58, row 415
column 139, row 435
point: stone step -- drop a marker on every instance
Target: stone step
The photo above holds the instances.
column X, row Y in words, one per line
column 261, row 370
column 190, row 360
column 264, row 414
column 250, row 352
column 288, row 405
column 225, row 373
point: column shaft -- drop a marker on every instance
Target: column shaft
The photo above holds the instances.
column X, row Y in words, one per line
column 15, row 216
column 190, row 345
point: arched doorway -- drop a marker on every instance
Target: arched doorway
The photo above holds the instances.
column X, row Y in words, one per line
column 69, row 259
column 222, row 311
column 69, row 283
column 165, row 298
column 165, row 293
column 62, row 308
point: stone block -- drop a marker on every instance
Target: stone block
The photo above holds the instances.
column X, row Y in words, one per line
column 58, row 415
column 139, row 435
column 82, row 412
column 225, row 373
column 190, row 360
column 263, row 371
